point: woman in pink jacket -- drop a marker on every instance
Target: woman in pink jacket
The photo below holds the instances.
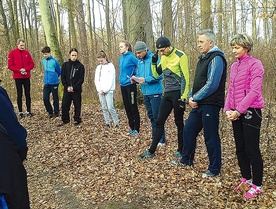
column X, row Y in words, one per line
column 243, row 106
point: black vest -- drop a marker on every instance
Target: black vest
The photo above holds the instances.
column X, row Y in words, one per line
column 217, row 98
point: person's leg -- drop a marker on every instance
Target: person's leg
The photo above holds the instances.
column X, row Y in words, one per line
column 210, row 119
column 148, row 105
column 77, row 106
column 54, row 90
column 243, row 160
column 165, row 110
column 110, row 105
column 178, row 118
column 125, row 90
column 46, row 98
column 251, row 125
column 192, row 127
column 27, row 91
column 18, row 84
column 65, row 106
column 134, row 107
column 103, row 102
column 155, row 102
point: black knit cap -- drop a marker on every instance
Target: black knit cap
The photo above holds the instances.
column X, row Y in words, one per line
column 162, row 42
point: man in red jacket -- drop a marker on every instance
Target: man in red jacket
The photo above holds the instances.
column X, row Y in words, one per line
column 20, row 62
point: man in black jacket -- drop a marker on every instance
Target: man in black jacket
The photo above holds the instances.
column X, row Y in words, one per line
column 72, row 78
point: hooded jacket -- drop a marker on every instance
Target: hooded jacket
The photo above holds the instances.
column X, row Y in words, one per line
column 127, row 65
column 18, row 59
column 105, row 77
column 51, row 70
column 245, row 85
column 72, row 74
column 152, row 85
column 15, row 130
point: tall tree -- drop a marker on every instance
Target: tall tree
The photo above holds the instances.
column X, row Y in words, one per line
column 254, row 18
column 167, row 17
column 138, row 25
column 71, row 24
column 219, row 16
column 206, row 18
column 49, row 29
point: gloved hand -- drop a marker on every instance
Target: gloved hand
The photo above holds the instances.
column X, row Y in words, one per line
column 154, row 58
column 182, row 104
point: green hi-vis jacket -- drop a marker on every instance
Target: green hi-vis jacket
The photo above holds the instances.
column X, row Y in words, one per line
column 176, row 72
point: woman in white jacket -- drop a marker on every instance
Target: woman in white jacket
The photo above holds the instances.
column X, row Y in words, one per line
column 105, row 85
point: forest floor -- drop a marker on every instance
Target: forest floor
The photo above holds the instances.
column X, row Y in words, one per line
column 90, row 166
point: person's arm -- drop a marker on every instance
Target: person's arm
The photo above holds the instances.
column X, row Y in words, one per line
column 11, row 63
column 185, row 76
column 215, row 71
column 63, row 76
column 29, row 65
column 80, row 80
column 57, row 67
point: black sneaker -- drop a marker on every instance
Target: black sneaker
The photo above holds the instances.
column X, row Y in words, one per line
column 29, row 114
column 77, row 122
column 21, row 115
column 62, row 124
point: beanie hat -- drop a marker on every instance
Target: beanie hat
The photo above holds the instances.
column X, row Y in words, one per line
column 140, row 46
column 162, row 42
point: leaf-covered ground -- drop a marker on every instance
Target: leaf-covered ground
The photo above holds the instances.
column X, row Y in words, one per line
column 91, row 166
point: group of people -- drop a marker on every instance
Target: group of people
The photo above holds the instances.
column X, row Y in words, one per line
column 242, row 105
column 163, row 77
column 20, row 62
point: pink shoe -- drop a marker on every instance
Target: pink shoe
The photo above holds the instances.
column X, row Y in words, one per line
column 243, row 183
column 254, row 191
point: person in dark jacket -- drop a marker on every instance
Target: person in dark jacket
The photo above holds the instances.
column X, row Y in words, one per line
column 15, row 130
column 13, row 150
column 72, row 78
column 51, row 73
column 206, row 100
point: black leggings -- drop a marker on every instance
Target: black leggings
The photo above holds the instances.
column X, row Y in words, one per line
column 169, row 101
column 247, row 139
column 25, row 82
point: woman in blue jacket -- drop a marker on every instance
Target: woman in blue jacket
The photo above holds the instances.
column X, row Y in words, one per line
column 127, row 65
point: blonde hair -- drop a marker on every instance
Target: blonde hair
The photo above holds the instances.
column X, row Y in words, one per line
column 242, row 40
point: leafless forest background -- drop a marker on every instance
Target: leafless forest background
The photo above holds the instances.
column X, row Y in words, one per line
column 93, row 25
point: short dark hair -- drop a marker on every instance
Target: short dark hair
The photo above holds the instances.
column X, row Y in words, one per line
column 73, row 50
column 46, row 49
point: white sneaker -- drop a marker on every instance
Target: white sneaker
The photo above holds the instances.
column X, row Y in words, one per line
column 160, row 144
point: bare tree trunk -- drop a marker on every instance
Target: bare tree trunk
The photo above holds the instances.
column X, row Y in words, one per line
column 107, row 22
column 138, row 25
column 4, row 22
column 167, row 22
column 206, row 20
column 90, row 33
column 72, row 30
column 219, row 16
column 254, row 26
column 234, row 16
column 49, row 29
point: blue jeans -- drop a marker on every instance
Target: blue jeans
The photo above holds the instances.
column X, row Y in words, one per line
column 206, row 117
column 152, row 103
column 47, row 90
column 108, row 107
